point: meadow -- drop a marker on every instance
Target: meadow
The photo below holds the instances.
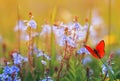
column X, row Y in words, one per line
column 67, row 40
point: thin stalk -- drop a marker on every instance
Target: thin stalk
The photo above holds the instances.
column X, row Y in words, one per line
column 88, row 31
column 109, row 23
column 105, row 76
column 61, row 65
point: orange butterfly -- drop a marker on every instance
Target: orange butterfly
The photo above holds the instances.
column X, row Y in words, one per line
column 99, row 51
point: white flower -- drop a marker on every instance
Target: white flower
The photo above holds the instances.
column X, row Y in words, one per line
column 71, row 42
column 81, row 34
column 105, row 69
column 18, row 80
column 47, row 57
column 62, row 40
column 77, row 26
column 8, row 63
column 83, row 50
column 20, row 26
column 26, row 38
column 32, row 24
column 86, row 60
column 46, row 29
column 25, row 59
column 40, row 54
column 47, row 79
column 43, row 62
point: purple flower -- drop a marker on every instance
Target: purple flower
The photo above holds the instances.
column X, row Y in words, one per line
column 83, row 50
column 71, row 42
column 18, row 59
column 77, row 26
column 3, row 76
column 8, row 73
column 86, row 60
column 32, row 24
column 46, row 29
column 9, row 78
column 20, row 26
column 47, row 57
column 40, row 53
column 105, row 69
column 25, row 59
column 7, row 70
column 14, row 69
column 47, row 79
column 43, row 62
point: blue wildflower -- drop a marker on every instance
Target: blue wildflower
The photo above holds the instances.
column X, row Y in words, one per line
column 14, row 69
column 46, row 29
column 83, row 50
column 3, row 76
column 47, row 79
column 9, row 78
column 32, row 24
column 7, row 70
column 86, row 60
column 43, row 62
column 71, row 42
column 105, row 69
column 40, row 53
column 20, row 26
column 77, row 26
column 18, row 59
column 25, row 59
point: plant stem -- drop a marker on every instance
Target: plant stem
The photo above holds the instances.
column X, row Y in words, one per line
column 61, row 65
column 105, row 76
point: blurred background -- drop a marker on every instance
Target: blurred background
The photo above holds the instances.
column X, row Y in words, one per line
column 108, row 12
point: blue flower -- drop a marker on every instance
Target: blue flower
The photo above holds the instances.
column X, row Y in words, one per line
column 71, row 42
column 86, row 60
column 47, row 79
column 9, row 78
column 32, row 24
column 18, row 59
column 40, row 53
column 46, row 29
column 20, row 26
column 105, row 69
column 25, row 59
column 77, row 25
column 83, row 50
column 14, row 69
column 7, row 70
column 8, row 73
column 5, row 77
column 17, row 79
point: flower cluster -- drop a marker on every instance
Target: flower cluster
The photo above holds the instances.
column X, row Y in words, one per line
column 71, row 32
column 45, row 56
column 10, row 73
column 18, row 59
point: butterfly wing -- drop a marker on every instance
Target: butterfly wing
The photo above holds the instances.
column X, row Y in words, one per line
column 91, row 51
column 100, row 48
